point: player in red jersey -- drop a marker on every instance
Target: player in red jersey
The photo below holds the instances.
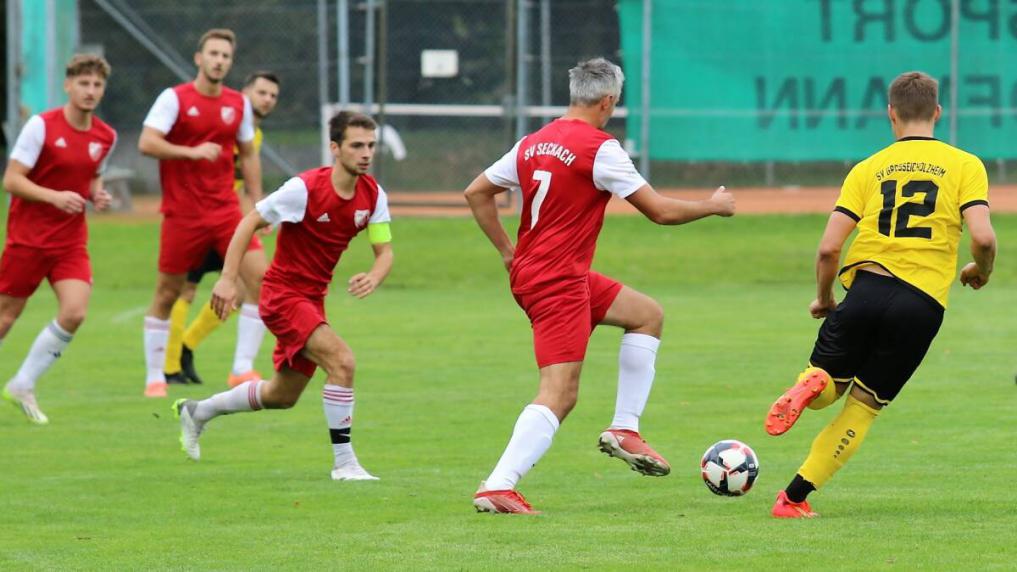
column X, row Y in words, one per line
column 55, row 168
column 567, row 172
column 319, row 212
column 192, row 129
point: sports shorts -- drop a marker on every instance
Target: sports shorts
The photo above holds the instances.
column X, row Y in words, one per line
column 292, row 318
column 22, row 268
column 212, row 263
column 184, row 243
column 878, row 335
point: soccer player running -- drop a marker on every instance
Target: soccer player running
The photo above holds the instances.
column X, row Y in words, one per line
column 262, row 89
column 55, row 168
column 908, row 202
column 192, row 129
column 319, row 212
column 567, row 172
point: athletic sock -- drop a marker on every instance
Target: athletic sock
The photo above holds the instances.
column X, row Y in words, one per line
column 829, row 394
column 174, row 346
column 156, row 335
column 799, row 488
column 250, row 332
column 204, row 323
column 635, row 378
column 531, row 438
column 338, row 403
column 244, row 397
column 45, row 350
column 837, row 442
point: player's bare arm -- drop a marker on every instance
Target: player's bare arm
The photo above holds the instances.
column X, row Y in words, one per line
column 154, row 144
column 361, row 285
column 983, row 247
column 664, row 210
column 838, row 228
column 224, row 293
column 17, row 183
column 250, row 167
column 480, row 195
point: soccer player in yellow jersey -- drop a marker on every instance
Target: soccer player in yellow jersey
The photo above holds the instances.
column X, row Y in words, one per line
column 908, row 203
column 262, row 88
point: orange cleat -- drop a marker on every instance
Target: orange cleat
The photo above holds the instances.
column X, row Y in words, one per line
column 155, row 389
column 501, row 502
column 235, row 380
column 784, row 508
column 788, row 408
column 630, row 447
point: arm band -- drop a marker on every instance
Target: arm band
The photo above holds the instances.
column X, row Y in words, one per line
column 379, row 233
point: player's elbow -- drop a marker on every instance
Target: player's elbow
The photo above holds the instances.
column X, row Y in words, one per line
column 984, row 240
column 828, row 252
column 145, row 146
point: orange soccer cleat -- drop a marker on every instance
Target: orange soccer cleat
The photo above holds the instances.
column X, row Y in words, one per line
column 784, row 508
column 788, row 408
column 502, row 502
column 630, row 447
column 235, row 380
column 155, row 389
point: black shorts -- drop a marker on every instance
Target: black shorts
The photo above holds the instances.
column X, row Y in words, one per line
column 878, row 335
column 212, row 263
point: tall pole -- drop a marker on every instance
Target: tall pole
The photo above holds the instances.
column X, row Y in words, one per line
column 369, row 57
column 342, row 34
column 522, row 66
column 644, row 127
column 322, row 54
column 50, row 62
column 954, row 67
column 545, row 52
column 13, row 73
column 382, row 82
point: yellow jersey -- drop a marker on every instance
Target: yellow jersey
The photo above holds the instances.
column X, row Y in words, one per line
column 907, row 200
column 238, row 177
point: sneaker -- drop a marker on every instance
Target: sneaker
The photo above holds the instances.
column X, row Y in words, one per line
column 25, row 401
column 235, row 379
column 155, row 389
column 190, row 430
column 352, row 472
column 630, row 447
column 785, row 411
column 784, row 508
column 187, row 365
column 175, row 378
column 504, row 502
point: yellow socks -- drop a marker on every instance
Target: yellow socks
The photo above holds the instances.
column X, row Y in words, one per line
column 178, row 317
column 829, row 394
column 837, row 442
column 202, row 326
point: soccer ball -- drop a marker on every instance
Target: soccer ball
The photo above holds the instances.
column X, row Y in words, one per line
column 729, row 468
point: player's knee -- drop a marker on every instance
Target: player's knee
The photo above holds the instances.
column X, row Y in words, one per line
column 654, row 318
column 345, row 366
column 71, row 319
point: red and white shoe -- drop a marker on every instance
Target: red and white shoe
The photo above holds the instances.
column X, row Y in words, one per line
column 784, row 508
column 788, row 408
column 504, row 502
column 630, row 447
column 236, row 379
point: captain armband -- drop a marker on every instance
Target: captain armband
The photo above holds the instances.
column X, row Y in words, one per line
column 379, row 233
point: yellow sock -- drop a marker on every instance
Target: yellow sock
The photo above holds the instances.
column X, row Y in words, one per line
column 202, row 326
column 837, row 442
column 178, row 317
column 829, row 393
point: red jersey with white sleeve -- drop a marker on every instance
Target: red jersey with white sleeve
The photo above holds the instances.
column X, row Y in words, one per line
column 316, row 226
column 567, row 172
column 200, row 189
column 60, row 158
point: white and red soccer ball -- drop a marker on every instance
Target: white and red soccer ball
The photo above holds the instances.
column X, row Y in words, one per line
column 729, row 468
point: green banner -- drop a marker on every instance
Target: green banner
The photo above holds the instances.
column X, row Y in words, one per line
column 806, row 80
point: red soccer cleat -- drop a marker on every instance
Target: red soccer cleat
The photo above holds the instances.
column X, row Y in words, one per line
column 235, row 379
column 501, row 502
column 788, row 408
column 630, row 447
column 784, row 508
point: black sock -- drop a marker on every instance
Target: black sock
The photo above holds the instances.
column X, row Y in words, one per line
column 799, row 489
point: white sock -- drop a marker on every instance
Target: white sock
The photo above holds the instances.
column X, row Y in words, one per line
column 244, row 397
column 250, row 332
column 531, row 438
column 338, row 402
column 45, row 350
column 156, row 337
column 635, row 378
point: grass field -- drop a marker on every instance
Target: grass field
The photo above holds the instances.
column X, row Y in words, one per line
column 444, row 367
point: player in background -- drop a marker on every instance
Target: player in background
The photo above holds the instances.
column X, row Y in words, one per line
column 318, row 212
column 908, row 202
column 55, row 169
column 567, row 172
column 262, row 89
column 192, row 129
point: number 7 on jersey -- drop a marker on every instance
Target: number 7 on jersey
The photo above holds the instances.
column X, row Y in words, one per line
column 545, row 184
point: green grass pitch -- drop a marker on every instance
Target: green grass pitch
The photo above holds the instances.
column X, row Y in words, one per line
column 444, row 367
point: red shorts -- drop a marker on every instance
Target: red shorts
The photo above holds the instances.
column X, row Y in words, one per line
column 564, row 315
column 292, row 318
column 184, row 243
column 22, row 268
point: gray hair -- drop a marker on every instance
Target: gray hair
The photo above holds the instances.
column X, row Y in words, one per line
column 591, row 80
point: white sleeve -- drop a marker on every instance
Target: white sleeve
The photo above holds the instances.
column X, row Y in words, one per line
column 29, row 143
column 381, row 213
column 164, row 111
column 287, row 204
column 246, row 131
column 105, row 160
column 614, row 172
column 504, row 173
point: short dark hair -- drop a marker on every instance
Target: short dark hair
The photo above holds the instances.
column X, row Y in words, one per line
column 340, row 121
column 261, row 74
column 82, row 64
column 914, row 96
column 217, row 34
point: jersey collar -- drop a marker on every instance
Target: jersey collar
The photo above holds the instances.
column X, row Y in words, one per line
column 917, row 138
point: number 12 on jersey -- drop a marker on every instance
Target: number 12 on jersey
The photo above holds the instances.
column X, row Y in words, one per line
column 928, row 189
column 544, row 177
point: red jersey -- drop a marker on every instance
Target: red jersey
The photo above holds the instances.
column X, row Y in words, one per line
column 567, row 172
column 316, row 226
column 61, row 158
column 200, row 189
